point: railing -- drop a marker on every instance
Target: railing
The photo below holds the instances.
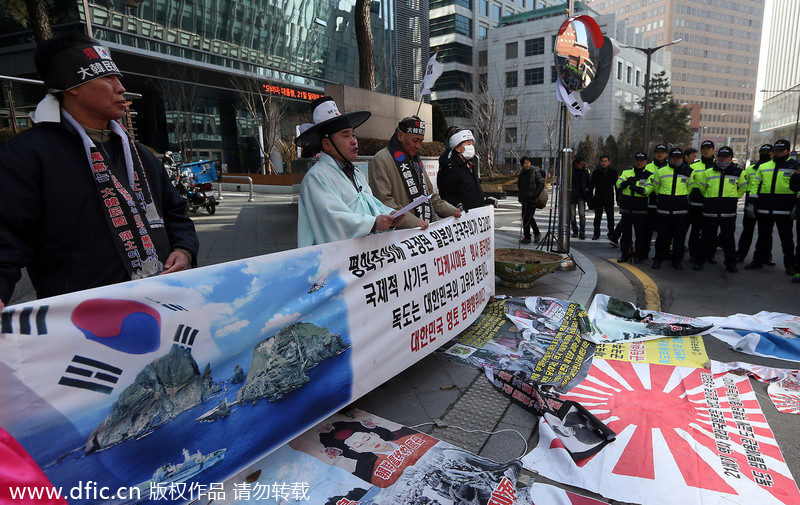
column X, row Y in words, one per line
column 240, row 177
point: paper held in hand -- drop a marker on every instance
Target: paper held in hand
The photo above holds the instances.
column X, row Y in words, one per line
column 416, row 203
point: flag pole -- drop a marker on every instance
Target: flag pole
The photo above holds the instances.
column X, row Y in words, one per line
column 420, row 104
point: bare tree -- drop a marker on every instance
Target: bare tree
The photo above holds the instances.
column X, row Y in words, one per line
column 181, row 96
column 550, row 118
column 366, row 45
column 30, row 13
column 266, row 112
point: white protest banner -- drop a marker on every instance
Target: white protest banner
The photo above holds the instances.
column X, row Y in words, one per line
column 188, row 377
column 683, row 436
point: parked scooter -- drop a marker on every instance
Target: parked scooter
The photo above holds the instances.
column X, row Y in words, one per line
column 187, row 180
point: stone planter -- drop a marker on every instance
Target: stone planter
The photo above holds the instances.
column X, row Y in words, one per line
column 519, row 268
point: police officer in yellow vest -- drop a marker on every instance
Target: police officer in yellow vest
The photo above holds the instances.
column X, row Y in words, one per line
column 672, row 183
column 749, row 219
column 633, row 210
column 659, row 160
column 705, row 162
column 721, row 186
column 774, row 205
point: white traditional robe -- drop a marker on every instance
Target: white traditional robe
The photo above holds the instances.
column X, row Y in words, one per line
column 330, row 208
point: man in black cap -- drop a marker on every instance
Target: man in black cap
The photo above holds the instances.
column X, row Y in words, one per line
column 336, row 202
column 705, row 162
column 83, row 205
column 672, row 183
column 774, row 204
column 633, row 209
column 659, row 160
column 397, row 177
column 749, row 219
column 721, row 186
column 794, row 185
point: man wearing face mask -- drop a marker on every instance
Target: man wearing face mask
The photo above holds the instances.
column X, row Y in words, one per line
column 397, row 177
column 672, row 183
column 749, row 219
column 458, row 178
column 721, row 186
column 776, row 198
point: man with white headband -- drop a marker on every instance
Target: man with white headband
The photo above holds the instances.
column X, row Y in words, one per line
column 397, row 177
column 82, row 204
column 458, row 178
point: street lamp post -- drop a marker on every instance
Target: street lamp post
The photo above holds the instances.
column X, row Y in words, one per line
column 649, row 52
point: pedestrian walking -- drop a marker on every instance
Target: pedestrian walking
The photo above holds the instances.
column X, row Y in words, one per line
column 579, row 197
column 721, row 186
column 773, row 206
column 83, row 205
column 633, row 210
column 602, row 188
column 672, row 183
column 530, row 184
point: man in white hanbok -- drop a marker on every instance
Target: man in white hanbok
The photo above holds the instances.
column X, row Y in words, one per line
column 336, row 202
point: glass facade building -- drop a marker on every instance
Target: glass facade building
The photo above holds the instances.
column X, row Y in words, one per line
column 192, row 60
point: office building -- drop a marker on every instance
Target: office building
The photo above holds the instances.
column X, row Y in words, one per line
column 715, row 65
column 190, row 59
column 780, row 115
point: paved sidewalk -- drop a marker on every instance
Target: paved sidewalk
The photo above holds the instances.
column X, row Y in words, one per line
column 433, row 393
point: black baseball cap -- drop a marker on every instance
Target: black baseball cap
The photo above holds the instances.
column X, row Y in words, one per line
column 641, row 155
column 725, row 151
column 781, row 144
column 676, row 152
column 707, row 143
column 660, row 147
column 765, row 148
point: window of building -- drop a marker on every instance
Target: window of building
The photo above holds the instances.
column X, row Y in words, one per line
column 483, row 58
column 512, row 79
column 638, row 76
column 534, row 46
column 454, row 80
column 448, row 25
column 534, row 76
column 483, row 82
column 511, row 135
column 456, row 107
column 511, row 50
column 628, row 75
column 553, row 74
column 455, row 53
column 467, row 4
column 511, row 107
column 496, row 12
column 619, row 70
column 483, row 32
column 484, row 7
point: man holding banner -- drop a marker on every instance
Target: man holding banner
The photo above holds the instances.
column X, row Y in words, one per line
column 397, row 177
column 83, row 205
column 336, row 202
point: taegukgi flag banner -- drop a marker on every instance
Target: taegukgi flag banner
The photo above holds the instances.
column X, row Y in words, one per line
column 176, row 382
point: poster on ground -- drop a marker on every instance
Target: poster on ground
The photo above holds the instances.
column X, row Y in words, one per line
column 183, row 379
column 679, row 351
column 356, row 458
column 768, row 334
column 683, row 436
column 541, row 336
column 617, row 320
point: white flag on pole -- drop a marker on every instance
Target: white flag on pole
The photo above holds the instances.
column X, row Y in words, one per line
column 575, row 108
column 432, row 72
